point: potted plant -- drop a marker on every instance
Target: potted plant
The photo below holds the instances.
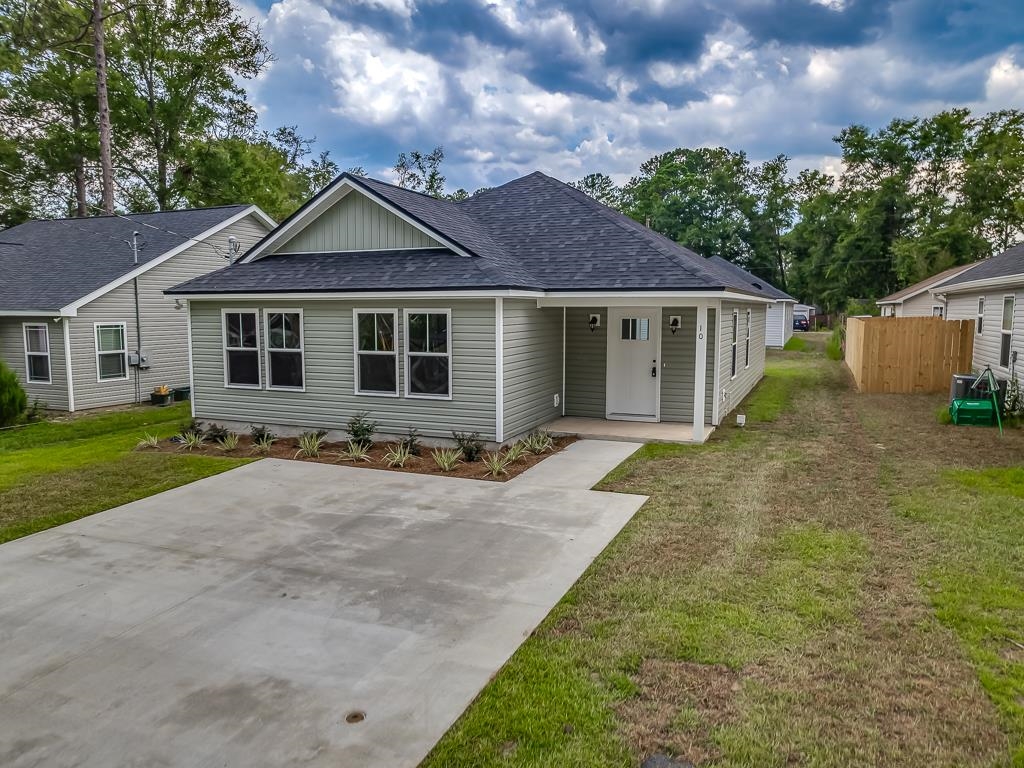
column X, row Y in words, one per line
column 160, row 395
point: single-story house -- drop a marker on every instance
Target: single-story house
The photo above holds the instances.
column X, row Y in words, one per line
column 920, row 299
column 498, row 314
column 992, row 294
column 779, row 325
column 84, row 321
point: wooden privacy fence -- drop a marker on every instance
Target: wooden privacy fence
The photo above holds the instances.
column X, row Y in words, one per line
column 907, row 354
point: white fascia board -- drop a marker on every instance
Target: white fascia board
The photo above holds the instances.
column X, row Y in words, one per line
column 35, row 313
column 341, row 188
column 71, row 310
column 642, row 298
column 1008, row 281
column 358, row 295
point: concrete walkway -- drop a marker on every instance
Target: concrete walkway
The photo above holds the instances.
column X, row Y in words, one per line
column 239, row 620
column 630, row 431
column 581, row 465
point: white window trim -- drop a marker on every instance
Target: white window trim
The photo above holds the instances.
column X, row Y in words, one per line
column 225, row 349
column 450, row 354
column 734, row 360
column 96, row 345
column 942, row 311
column 1004, row 332
column 267, row 311
column 49, row 360
column 746, row 351
column 980, row 321
column 356, row 352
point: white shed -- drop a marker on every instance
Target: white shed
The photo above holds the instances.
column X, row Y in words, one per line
column 780, row 323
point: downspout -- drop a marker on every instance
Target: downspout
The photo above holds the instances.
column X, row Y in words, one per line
column 499, row 370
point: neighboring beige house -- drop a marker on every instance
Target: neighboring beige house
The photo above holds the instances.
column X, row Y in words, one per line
column 498, row 314
column 84, row 321
column 992, row 294
column 917, row 300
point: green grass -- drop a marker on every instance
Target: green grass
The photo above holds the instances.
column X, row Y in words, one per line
column 975, row 577
column 783, row 379
column 834, row 346
column 58, row 471
column 796, row 344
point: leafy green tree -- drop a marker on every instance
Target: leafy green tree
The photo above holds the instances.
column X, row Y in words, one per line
column 600, row 187
column 421, row 172
column 993, row 169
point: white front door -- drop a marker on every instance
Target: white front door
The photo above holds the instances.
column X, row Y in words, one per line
column 634, row 363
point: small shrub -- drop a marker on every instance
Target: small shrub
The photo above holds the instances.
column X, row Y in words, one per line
column 228, row 442
column 191, row 427
column 397, row 455
column 310, row 444
column 538, row 442
column 190, row 440
column 356, row 452
column 412, row 442
column 262, row 444
column 215, row 433
column 470, row 444
column 446, row 458
column 496, row 463
column 834, row 347
column 148, row 441
column 35, row 413
column 515, row 452
column 943, row 416
column 361, row 429
column 1013, row 404
column 261, row 434
column 13, row 399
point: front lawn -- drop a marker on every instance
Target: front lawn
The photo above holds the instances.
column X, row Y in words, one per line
column 56, row 471
column 834, row 584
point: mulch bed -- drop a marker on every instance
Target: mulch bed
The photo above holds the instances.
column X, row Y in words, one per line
column 286, row 448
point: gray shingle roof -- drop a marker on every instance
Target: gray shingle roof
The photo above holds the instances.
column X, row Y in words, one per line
column 755, row 281
column 1009, row 263
column 46, row 265
column 532, row 233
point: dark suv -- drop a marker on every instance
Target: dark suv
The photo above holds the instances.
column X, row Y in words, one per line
column 800, row 323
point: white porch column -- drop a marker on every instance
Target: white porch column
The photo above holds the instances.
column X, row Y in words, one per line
column 700, row 360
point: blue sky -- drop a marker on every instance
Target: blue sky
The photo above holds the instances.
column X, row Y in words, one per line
column 576, row 86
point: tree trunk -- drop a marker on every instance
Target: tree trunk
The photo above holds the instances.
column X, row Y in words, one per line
column 106, row 164
column 81, row 193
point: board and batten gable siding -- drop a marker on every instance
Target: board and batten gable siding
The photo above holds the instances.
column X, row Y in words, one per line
column 532, row 363
column 586, row 354
column 12, row 352
column 678, row 357
column 356, row 223
column 733, row 390
column 164, row 328
column 329, row 399
column 964, row 306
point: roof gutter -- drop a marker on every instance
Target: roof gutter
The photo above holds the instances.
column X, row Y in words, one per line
column 36, row 313
column 1005, row 281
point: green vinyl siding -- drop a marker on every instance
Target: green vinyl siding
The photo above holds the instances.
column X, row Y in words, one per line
column 329, row 399
column 356, row 223
column 532, row 366
column 678, row 356
column 12, row 351
column 586, row 353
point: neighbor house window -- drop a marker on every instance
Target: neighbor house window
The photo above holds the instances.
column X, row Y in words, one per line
column 746, row 353
column 937, row 311
column 1007, row 332
column 111, row 351
column 428, row 353
column 241, row 349
column 37, row 354
column 285, row 365
column 735, row 338
column 981, row 316
column 376, row 352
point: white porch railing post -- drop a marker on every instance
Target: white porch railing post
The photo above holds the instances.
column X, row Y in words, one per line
column 700, row 360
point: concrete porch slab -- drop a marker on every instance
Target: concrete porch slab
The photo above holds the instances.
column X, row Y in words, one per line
column 630, row 431
column 581, row 465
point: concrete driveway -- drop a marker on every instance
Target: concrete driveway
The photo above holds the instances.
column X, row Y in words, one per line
column 239, row 620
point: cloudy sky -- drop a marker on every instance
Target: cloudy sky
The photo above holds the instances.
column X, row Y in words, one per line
column 575, row 86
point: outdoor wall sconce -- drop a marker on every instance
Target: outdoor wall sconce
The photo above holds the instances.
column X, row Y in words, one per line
column 595, row 322
column 674, row 322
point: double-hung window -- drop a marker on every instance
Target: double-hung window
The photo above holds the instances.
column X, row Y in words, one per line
column 428, row 353
column 735, row 338
column 1006, row 335
column 111, row 352
column 285, row 364
column 241, row 349
column 979, row 326
column 376, row 352
column 37, row 353
column 746, row 353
